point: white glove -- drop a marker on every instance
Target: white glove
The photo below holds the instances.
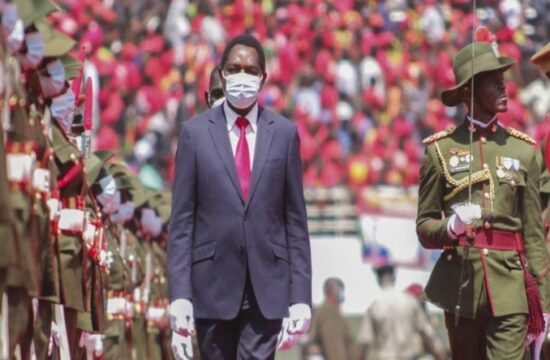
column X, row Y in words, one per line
column 89, row 234
column 286, row 341
column 54, row 338
column 299, row 319
column 181, row 317
column 464, row 214
column 182, row 346
column 455, row 226
column 467, row 212
column 94, row 344
column 54, row 206
column 295, row 325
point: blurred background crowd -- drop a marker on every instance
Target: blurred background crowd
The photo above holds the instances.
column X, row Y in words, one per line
column 360, row 78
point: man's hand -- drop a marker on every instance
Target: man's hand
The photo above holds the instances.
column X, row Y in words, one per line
column 182, row 346
column 300, row 318
column 464, row 214
column 295, row 325
column 181, row 317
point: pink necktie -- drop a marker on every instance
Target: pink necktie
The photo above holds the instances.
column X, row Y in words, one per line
column 242, row 157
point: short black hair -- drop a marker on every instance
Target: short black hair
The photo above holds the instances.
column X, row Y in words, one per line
column 246, row 40
column 384, row 270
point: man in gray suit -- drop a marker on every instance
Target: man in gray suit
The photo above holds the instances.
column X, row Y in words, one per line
column 238, row 247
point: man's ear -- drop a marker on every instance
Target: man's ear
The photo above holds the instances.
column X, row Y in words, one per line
column 264, row 77
column 465, row 93
column 206, row 98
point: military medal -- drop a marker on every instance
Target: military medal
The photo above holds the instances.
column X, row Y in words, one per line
column 500, row 173
column 453, row 161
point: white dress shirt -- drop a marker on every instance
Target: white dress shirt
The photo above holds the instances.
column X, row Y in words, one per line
column 234, row 132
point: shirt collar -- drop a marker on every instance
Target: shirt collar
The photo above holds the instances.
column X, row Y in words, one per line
column 483, row 125
column 231, row 116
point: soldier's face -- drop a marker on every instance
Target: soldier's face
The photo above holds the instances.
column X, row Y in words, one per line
column 491, row 92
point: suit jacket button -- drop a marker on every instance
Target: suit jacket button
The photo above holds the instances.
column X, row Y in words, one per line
column 244, row 217
column 241, row 249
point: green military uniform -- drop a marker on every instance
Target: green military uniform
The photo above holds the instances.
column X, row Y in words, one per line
column 22, row 280
column 505, row 184
column 119, row 277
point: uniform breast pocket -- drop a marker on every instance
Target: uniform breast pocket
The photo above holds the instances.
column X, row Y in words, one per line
column 512, row 178
column 510, row 171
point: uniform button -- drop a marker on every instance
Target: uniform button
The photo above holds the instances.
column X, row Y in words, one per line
column 449, row 257
column 483, row 139
column 485, row 166
column 485, row 251
column 513, row 182
column 487, row 195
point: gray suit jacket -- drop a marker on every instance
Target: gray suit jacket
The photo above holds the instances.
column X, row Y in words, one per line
column 214, row 233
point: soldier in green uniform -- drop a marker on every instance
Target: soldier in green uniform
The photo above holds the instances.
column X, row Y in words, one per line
column 542, row 60
column 493, row 243
column 156, row 315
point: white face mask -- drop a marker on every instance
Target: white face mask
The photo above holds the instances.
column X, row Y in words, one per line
column 12, row 27
column 9, row 18
column 35, row 51
column 150, row 222
column 53, row 84
column 241, row 89
column 110, row 203
column 124, row 213
column 62, row 109
column 16, row 37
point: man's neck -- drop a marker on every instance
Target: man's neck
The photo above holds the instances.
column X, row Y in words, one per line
column 241, row 112
column 482, row 116
column 480, row 123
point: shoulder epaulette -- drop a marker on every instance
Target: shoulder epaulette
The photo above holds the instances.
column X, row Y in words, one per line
column 439, row 135
column 520, row 135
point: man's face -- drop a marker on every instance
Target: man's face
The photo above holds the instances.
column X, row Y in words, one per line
column 242, row 58
column 490, row 92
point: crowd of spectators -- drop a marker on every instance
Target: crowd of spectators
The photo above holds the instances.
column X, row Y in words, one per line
column 361, row 79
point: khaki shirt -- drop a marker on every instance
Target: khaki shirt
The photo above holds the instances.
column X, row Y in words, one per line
column 394, row 326
column 331, row 332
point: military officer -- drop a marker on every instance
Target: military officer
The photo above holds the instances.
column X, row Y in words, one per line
column 542, row 60
column 493, row 243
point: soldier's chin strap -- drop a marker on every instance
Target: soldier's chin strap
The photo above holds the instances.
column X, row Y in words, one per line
column 469, row 227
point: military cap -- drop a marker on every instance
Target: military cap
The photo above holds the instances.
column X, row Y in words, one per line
column 93, row 165
column 161, row 201
column 471, row 60
column 542, row 59
column 32, row 10
column 56, row 44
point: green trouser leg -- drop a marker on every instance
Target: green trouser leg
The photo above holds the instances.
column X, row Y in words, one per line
column 115, row 346
column 42, row 328
column 139, row 338
column 20, row 321
column 154, row 343
column 486, row 336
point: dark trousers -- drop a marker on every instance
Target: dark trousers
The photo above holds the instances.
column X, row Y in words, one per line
column 249, row 336
column 487, row 336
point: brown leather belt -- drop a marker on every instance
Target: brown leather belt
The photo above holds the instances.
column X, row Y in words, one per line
column 495, row 240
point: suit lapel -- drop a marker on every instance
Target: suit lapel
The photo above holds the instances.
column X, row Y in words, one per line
column 220, row 138
column 263, row 144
